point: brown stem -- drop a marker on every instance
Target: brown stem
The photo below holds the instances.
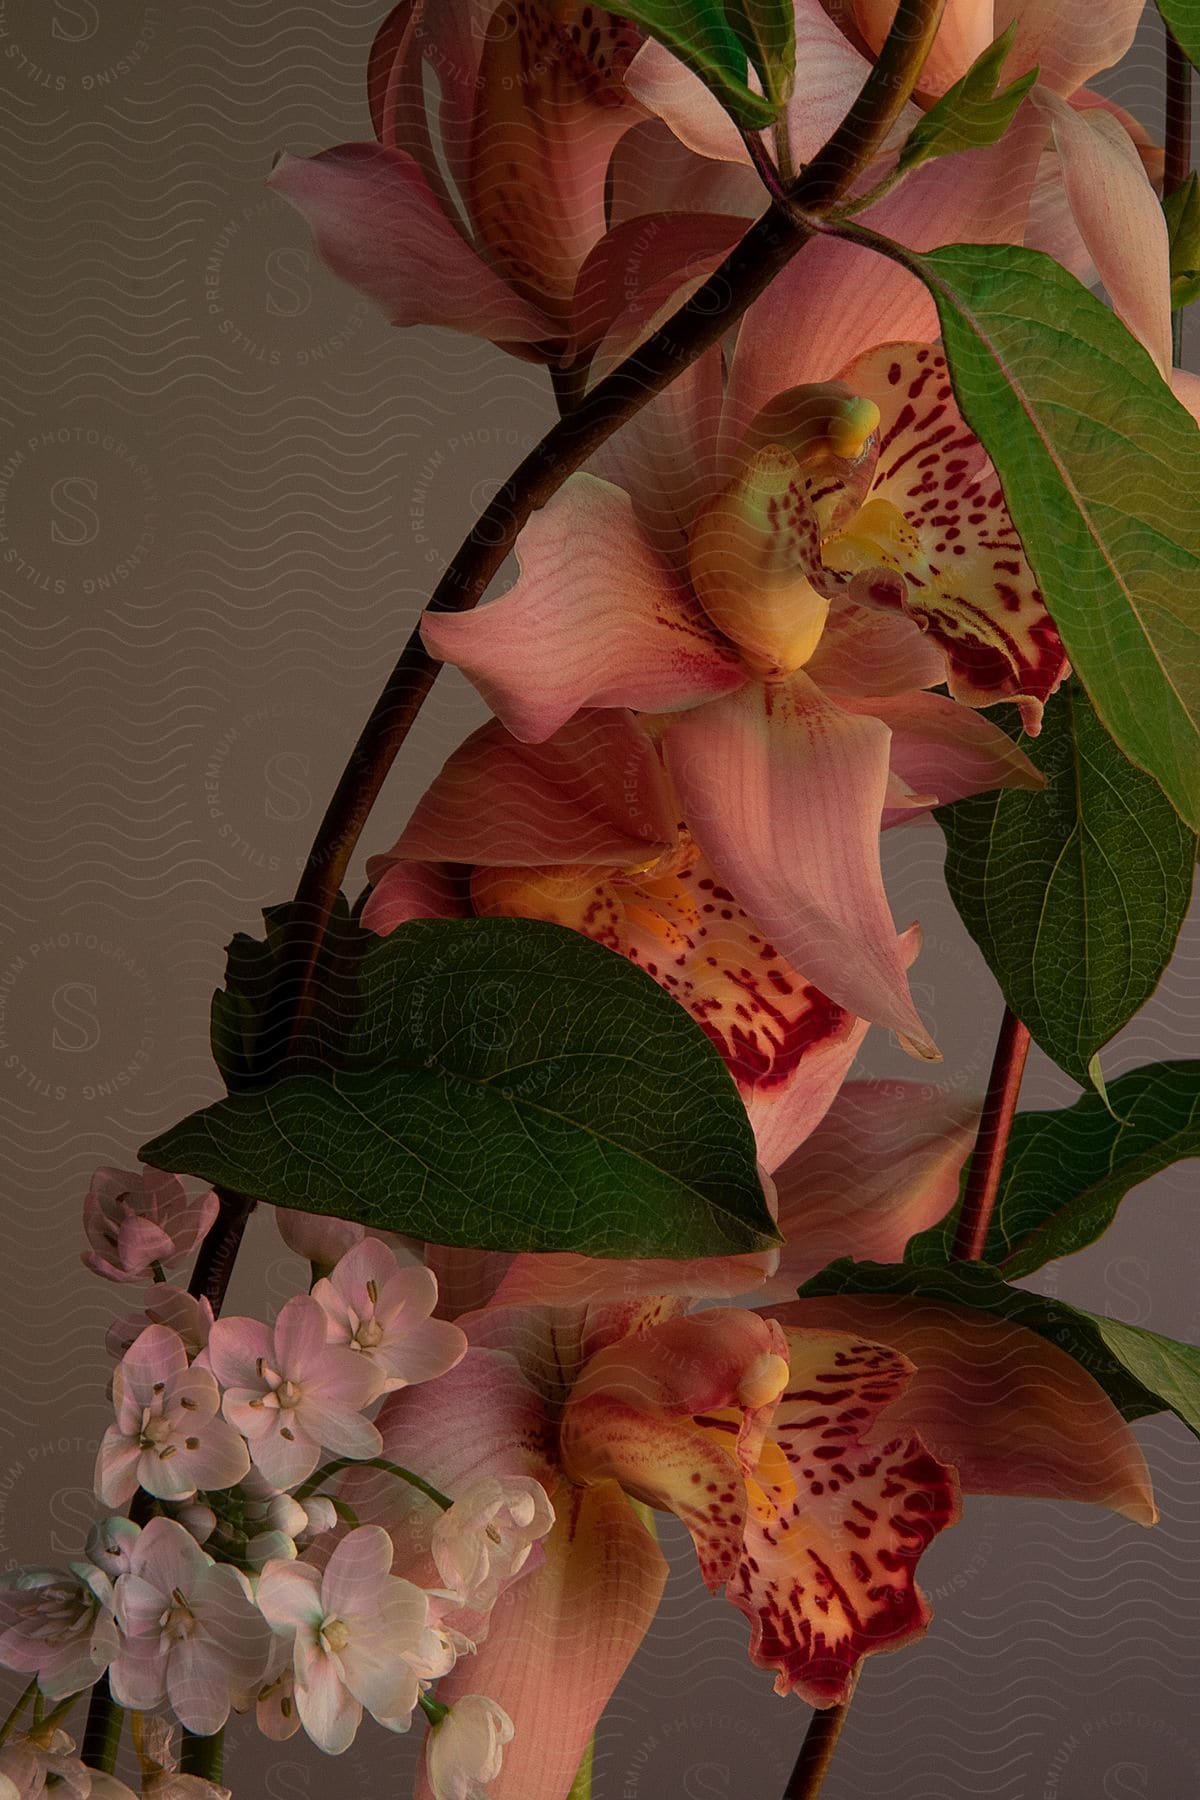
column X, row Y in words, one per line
column 816, row 1752
column 1177, row 150
column 995, row 1124
column 868, row 124
column 218, row 1251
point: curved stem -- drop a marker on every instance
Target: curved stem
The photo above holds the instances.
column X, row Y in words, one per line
column 816, row 1752
column 308, row 1488
column 885, row 93
column 218, row 1251
column 995, row 1124
column 1177, row 147
column 23, row 1698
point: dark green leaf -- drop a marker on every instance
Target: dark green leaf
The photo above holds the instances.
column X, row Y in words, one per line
column 1075, row 894
column 972, row 113
column 1183, row 222
column 1140, row 1371
column 1100, row 467
column 506, row 1084
column 1067, row 1172
column 700, row 34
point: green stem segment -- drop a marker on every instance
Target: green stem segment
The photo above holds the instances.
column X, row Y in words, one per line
column 203, row 1756
column 102, row 1733
column 1177, row 150
column 308, row 1488
column 19, row 1705
column 995, row 1124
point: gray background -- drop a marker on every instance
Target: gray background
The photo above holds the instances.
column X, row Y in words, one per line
column 226, row 488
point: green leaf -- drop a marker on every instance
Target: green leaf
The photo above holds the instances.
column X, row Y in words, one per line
column 1100, row 467
column 1140, row 1371
column 766, row 30
column 702, row 36
column 1182, row 209
column 1075, row 894
column 1066, row 1172
column 1183, row 17
column 505, row 1084
column 972, row 113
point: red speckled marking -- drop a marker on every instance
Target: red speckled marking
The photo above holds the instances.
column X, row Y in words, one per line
column 965, row 577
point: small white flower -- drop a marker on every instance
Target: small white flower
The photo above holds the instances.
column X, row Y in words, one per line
column 486, row 1536
column 464, row 1753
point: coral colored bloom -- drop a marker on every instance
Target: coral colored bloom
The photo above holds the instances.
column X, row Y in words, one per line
column 485, row 1538
column 291, row 1393
column 169, row 1436
column 463, row 1754
column 191, row 1633
column 560, row 229
column 383, row 1312
column 135, row 1220
column 57, row 1626
column 360, row 1636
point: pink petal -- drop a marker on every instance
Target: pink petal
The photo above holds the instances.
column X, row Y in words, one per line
column 344, row 1433
column 194, row 1222
column 235, row 1348
column 829, row 72
column 404, row 891
column 947, row 750
column 665, row 458
column 864, row 653
column 356, row 1570
column 883, row 1164
column 1012, row 1412
column 1069, row 40
column 595, row 619
column 377, row 223
column 198, row 1685
column 561, row 1639
column 784, row 793
column 116, row 1468
column 141, row 1242
column 300, row 1340
column 593, row 793
column 153, row 1359
column 283, row 1460
column 1119, row 217
column 666, row 87
column 289, row 1596
column 219, row 1460
column 426, row 1351
column 329, row 1712
column 638, row 274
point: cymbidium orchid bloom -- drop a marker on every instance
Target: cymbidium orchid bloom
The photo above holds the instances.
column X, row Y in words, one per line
column 584, row 830
column 135, row 1221
column 813, row 1460
column 531, row 248
column 58, row 1626
column 190, row 1631
column 783, row 565
column 382, row 1312
column 465, row 1752
column 168, row 1436
column 291, row 1393
column 360, row 1637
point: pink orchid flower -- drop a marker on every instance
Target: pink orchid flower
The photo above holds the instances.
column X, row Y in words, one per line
column 773, row 1436
column 291, row 1393
column 58, row 1626
column 465, row 1752
column 134, row 1221
column 382, row 1312
column 804, row 550
column 190, row 1631
column 545, row 242
column 485, row 1538
column 361, row 1638
column 168, row 1436
column 1092, row 203
column 583, row 830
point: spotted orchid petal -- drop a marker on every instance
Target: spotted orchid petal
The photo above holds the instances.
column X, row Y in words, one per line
column 1012, row 1412
column 944, row 751
column 935, row 539
column 784, row 792
column 583, row 627
column 804, row 1509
